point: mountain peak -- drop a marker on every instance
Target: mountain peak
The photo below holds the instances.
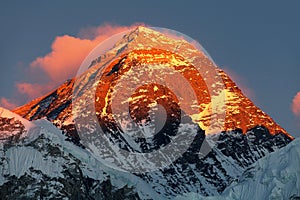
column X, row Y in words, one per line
column 12, row 125
column 149, row 46
column 143, row 29
column 5, row 113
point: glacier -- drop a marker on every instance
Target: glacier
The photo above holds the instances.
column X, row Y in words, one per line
column 275, row 176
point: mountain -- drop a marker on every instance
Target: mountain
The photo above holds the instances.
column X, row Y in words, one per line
column 240, row 111
column 43, row 165
column 219, row 117
column 275, row 176
column 12, row 125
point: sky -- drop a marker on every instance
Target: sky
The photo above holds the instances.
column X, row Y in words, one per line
column 256, row 42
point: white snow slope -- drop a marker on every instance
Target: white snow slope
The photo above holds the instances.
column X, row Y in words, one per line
column 276, row 176
column 8, row 114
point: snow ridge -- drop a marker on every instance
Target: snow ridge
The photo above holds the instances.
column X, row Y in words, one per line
column 276, row 176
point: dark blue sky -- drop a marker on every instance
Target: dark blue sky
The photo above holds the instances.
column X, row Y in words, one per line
column 257, row 40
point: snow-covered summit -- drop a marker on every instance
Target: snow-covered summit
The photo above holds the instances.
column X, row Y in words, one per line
column 13, row 125
column 5, row 113
column 239, row 110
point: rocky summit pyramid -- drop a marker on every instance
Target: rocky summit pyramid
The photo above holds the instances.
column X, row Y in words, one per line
column 121, row 79
column 148, row 47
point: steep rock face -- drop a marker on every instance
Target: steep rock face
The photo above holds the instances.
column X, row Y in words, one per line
column 11, row 128
column 226, row 162
column 71, row 186
column 55, row 105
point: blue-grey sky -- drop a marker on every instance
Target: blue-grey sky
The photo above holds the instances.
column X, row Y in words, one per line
column 257, row 41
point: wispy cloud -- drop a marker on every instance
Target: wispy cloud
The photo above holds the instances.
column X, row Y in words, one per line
column 7, row 103
column 32, row 90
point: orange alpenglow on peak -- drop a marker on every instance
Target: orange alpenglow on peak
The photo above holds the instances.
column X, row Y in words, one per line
column 146, row 50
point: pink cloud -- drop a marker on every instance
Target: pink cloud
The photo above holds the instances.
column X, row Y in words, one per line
column 31, row 90
column 64, row 59
column 62, row 62
column 25, row 92
column 296, row 104
column 68, row 52
column 7, row 103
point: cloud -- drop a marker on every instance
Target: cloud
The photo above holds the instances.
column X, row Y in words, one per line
column 62, row 62
column 25, row 92
column 32, row 90
column 66, row 55
column 296, row 105
column 7, row 103
column 68, row 52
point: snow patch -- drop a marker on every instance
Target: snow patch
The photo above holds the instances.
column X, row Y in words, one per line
column 8, row 114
